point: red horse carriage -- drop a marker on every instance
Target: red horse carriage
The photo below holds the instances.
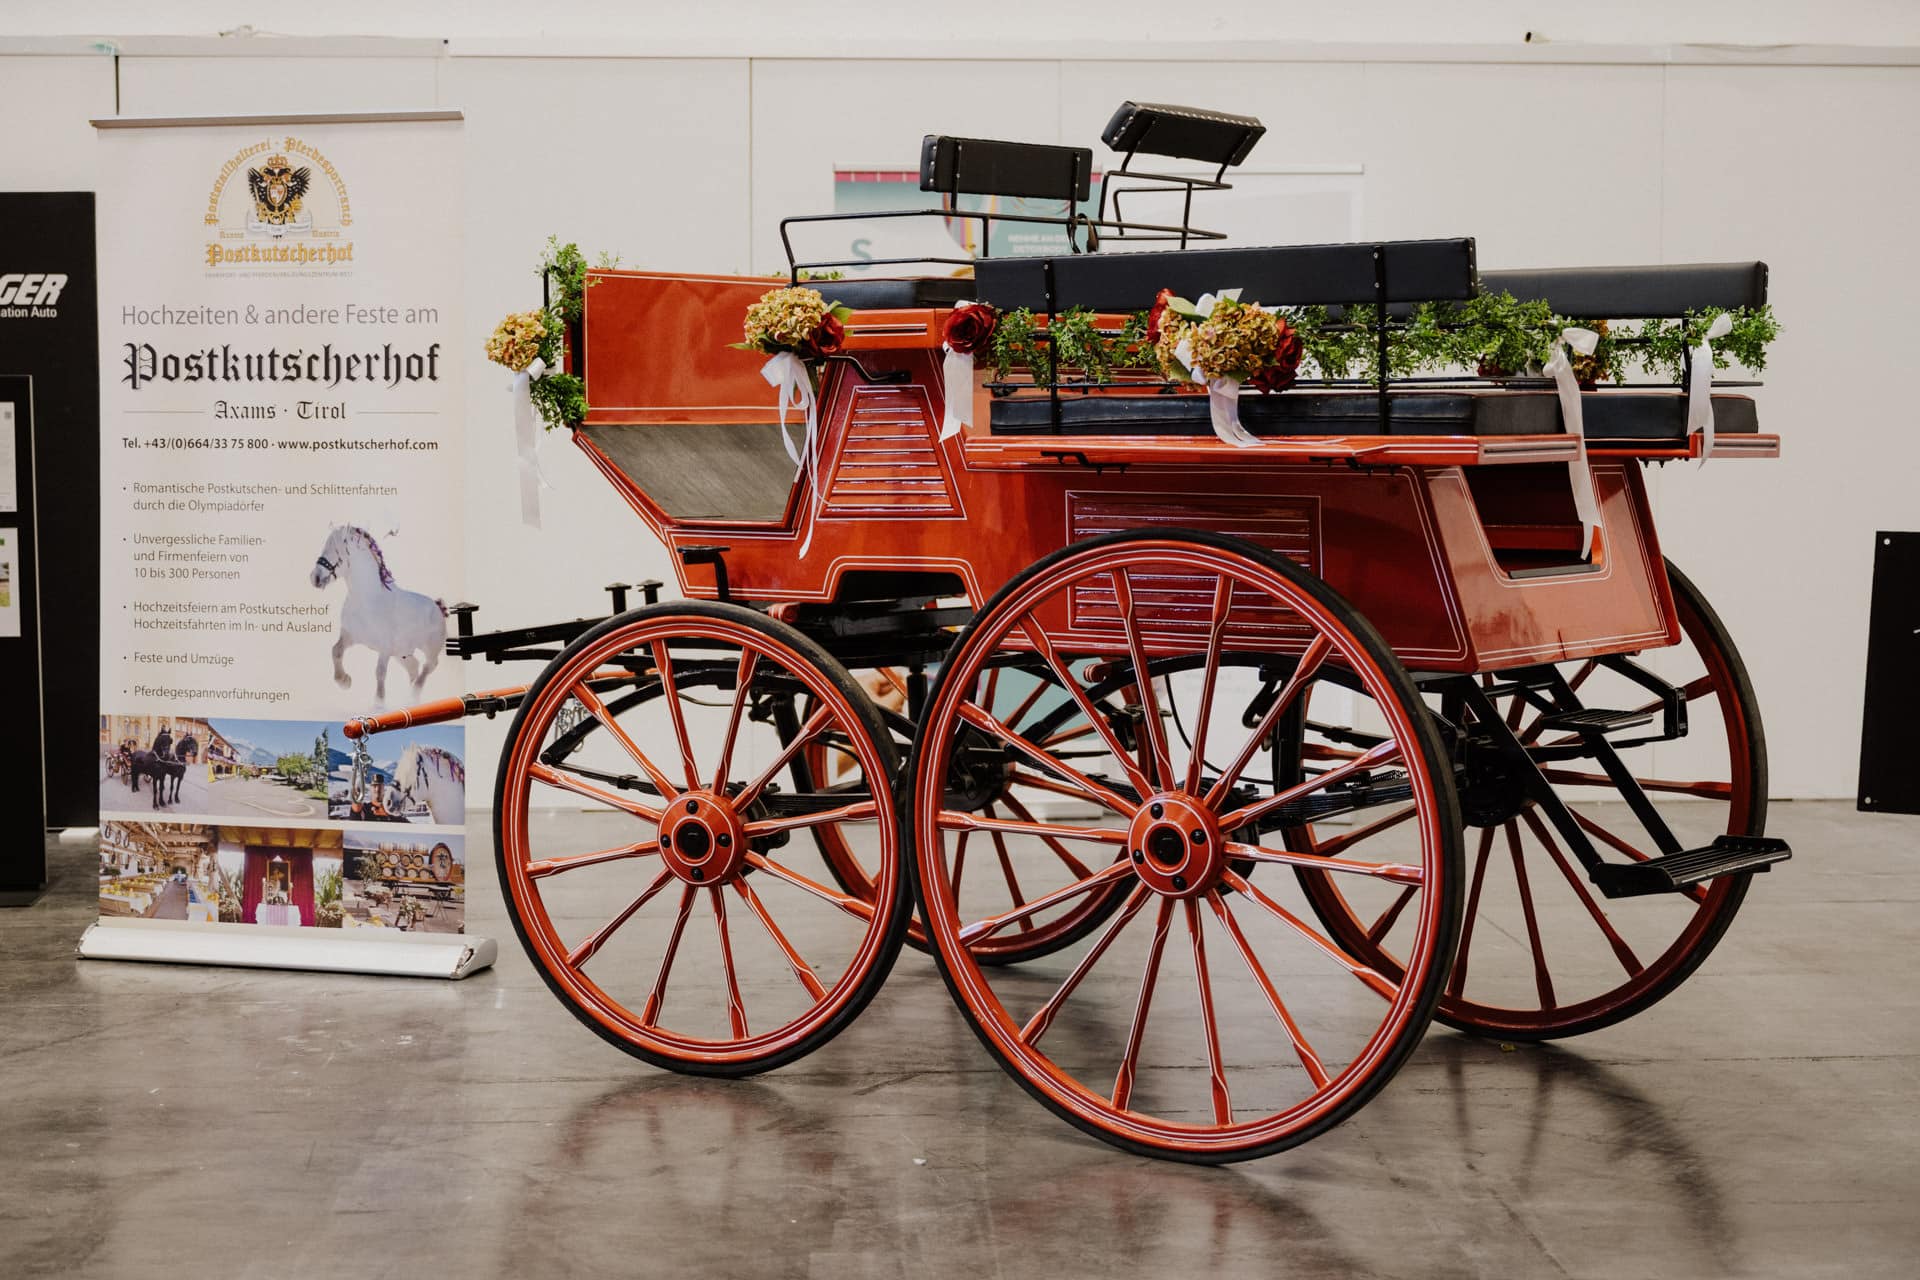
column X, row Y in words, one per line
column 1346, row 712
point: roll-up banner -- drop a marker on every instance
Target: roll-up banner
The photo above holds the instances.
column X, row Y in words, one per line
column 281, row 516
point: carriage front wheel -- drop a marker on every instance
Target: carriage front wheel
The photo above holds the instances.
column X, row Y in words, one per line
column 681, row 927
column 1274, row 1032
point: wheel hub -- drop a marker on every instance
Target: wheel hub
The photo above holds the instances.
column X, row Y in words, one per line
column 702, row 839
column 1176, row 846
column 1490, row 795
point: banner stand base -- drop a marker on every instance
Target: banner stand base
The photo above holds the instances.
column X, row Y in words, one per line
column 401, row 955
column 21, row 897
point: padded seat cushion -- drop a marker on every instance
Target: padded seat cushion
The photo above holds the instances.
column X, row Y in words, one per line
column 894, row 295
column 1608, row 415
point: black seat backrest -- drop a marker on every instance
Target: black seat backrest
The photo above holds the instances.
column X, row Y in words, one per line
column 1291, row 275
column 984, row 167
column 1636, row 293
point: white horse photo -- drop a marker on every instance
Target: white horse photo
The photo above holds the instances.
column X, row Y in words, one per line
column 434, row 778
column 378, row 613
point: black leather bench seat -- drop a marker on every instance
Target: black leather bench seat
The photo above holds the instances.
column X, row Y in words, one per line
column 895, row 295
column 1653, row 415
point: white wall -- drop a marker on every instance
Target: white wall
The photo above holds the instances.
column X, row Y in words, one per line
column 1549, row 155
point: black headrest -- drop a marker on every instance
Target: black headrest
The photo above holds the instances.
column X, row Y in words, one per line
column 1186, row 133
column 984, row 167
column 1292, row 275
column 1636, row 293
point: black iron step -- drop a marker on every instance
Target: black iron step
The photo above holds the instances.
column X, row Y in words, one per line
column 1672, row 872
column 1597, row 720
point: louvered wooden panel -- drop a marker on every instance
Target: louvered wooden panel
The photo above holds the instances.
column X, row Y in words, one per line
column 888, row 460
column 1181, row 606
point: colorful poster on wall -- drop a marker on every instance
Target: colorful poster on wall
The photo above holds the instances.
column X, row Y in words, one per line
column 281, row 491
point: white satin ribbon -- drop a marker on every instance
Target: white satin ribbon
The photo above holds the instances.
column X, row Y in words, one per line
column 1700, row 385
column 1585, row 504
column 957, row 369
column 786, row 373
column 1223, row 394
column 526, row 438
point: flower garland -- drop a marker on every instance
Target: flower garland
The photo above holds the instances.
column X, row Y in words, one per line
column 1492, row 335
column 559, row 397
column 796, row 327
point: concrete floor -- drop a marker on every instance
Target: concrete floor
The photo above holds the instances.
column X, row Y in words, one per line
column 167, row 1121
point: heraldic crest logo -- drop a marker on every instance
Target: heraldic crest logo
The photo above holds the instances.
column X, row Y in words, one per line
column 279, row 203
column 277, row 189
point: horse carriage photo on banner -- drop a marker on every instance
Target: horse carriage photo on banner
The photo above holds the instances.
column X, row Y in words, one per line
column 1141, row 631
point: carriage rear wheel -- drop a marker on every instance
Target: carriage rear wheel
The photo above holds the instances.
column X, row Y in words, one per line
column 665, row 716
column 1102, row 1036
column 1518, row 976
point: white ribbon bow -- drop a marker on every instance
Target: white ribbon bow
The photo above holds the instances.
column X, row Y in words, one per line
column 527, row 440
column 1585, row 504
column 1700, row 385
column 1223, row 394
column 958, row 370
column 787, row 374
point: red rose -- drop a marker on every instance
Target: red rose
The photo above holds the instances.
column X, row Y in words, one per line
column 827, row 339
column 970, row 329
column 1280, row 374
column 1157, row 315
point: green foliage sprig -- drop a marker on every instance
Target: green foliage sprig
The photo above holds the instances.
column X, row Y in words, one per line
column 560, row 398
column 1662, row 343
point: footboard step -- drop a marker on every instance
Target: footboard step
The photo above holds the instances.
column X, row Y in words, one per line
column 1673, row 872
column 1597, row 720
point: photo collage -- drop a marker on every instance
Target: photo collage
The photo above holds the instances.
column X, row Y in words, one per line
column 223, row 820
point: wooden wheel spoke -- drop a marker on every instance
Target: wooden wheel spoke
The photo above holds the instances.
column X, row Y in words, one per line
column 1705, row 790
column 743, row 681
column 657, row 998
column 993, row 924
column 801, row 969
column 1156, row 732
column 1621, row 950
column 1060, row 851
column 1044, row 646
column 564, row 781
column 554, row 866
column 1026, row 704
column 958, row 820
column 1038, row 783
column 815, row 725
column 981, row 718
column 1372, row 758
column 1067, row 735
column 1543, row 979
column 1457, row 980
column 1316, row 1071
column 598, row 709
column 1697, row 892
column 1216, row 633
column 1371, row 979
column 1123, row 1082
column 585, row 951
column 1216, row 1073
column 1400, row 872
column 1041, row 1020
column 1347, row 839
column 1310, row 659
column 959, row 861
column 663, row 664
column 1013, row 881
column 859, row 812
column 1384, row 923
column 736, row 1010
column 856, row 907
